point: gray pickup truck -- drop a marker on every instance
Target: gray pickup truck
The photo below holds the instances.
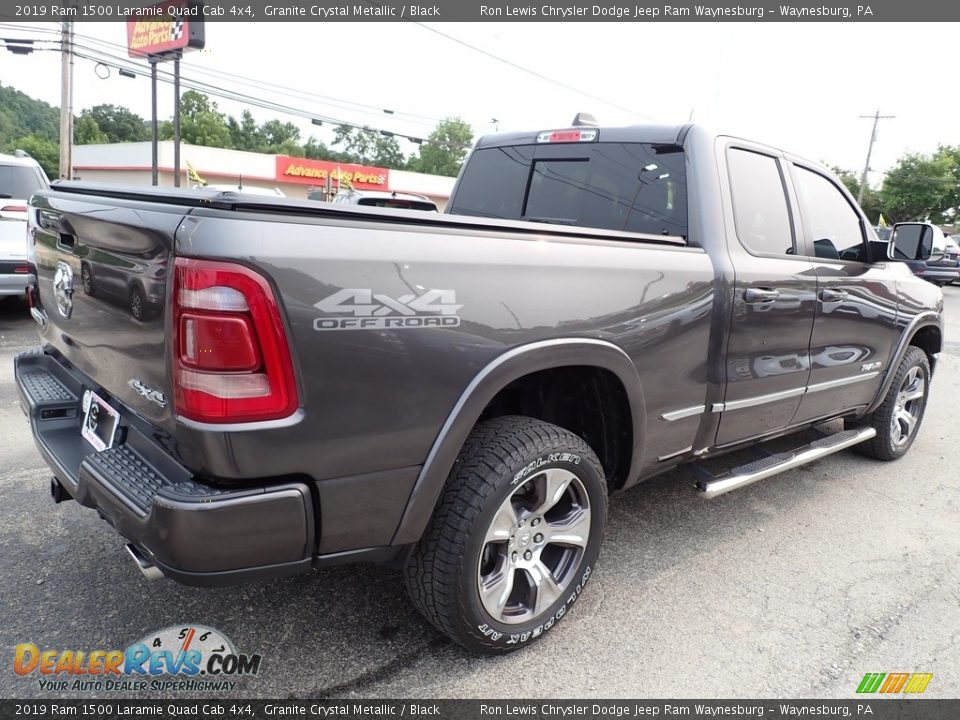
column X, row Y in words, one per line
column 249, row 387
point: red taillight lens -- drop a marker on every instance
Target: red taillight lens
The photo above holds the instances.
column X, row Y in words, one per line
column 231, row 360
column 212, row 342
column 21, row 270
column 14, row 208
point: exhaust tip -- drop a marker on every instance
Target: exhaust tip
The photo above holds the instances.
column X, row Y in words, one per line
column 150, row 571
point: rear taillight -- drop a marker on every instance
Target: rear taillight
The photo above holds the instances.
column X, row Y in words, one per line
column 231, row 358
column 22, row 270
column 14, row 208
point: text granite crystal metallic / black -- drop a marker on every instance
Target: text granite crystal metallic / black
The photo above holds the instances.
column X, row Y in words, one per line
column 279, row 385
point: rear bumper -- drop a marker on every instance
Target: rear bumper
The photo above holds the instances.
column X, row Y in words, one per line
column 14, row 283
column 194, row 533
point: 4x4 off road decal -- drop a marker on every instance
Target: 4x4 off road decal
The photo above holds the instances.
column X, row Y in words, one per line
column 373, row 311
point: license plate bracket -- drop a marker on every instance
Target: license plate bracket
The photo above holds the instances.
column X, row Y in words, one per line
column 100, row 421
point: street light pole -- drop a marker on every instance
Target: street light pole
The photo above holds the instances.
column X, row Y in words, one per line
column 877, row 117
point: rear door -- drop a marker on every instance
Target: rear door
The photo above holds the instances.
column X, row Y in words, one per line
column 854, row 327
column 774, row 297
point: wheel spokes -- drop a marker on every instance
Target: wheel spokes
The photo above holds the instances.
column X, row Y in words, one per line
column 545, row 587
column 496, row 588
column 551, row 486
column 572, row 530
column 502, row 524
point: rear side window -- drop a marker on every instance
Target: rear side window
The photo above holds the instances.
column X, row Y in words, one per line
column 759, row 203
column 19, row 181
column 635, row 187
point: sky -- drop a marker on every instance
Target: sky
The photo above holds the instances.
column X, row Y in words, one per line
column 798, row 86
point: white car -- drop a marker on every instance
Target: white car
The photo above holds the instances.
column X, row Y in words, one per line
column 20, row 177
column 380, row 198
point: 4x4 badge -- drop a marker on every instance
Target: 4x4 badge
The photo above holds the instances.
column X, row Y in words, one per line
column 374, row 311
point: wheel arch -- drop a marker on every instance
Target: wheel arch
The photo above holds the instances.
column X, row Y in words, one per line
column 924, row 332
column 511, row 366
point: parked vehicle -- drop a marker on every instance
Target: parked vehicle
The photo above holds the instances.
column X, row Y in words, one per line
column 20, row 177
column 457, row 395
column 379, row 198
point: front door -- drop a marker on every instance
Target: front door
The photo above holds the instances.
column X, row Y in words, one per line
column 855, row 324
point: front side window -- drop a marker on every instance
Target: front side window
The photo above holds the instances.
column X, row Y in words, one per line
column 759, row 203
column 831, row 222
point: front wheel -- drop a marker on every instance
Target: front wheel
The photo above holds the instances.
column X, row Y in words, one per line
column 514, row 538
column 898, row 418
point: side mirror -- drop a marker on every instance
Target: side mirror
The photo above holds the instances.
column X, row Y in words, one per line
column 917, row 241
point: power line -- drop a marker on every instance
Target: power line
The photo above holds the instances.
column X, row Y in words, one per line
column 534, row 73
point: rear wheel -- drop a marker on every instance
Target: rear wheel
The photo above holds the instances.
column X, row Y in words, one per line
column 515, row 536
column 898, row 418
column 137, row 303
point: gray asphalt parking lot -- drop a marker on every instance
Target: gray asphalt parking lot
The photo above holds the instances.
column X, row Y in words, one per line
column 793, row 587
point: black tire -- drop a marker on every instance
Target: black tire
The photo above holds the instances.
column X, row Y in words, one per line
column 138, row 303
column 885, row 445
column 506, row 461
column 86, row 280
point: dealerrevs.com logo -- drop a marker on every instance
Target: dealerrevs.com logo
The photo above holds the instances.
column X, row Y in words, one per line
column 182, row 657
column 375, row 311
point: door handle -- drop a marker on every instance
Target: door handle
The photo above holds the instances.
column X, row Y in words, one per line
column 827, row 295
column 761, row 295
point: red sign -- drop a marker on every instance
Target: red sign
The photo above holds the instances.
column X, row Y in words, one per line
column 165, row 28
column 316, row 172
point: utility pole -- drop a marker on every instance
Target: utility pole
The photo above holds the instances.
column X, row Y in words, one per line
column 66, row 101
column 877, row 117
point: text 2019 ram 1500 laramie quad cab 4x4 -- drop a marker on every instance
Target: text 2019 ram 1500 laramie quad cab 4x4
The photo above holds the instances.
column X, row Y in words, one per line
column 459, row 394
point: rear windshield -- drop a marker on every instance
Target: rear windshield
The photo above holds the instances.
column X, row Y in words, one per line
column 394, row 203
column 636, row 187
column 17, row 181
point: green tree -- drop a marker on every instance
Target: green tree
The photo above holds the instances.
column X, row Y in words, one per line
column 445, row 148
column 201, row 122
column 21, row 115
column 275, row 132
column 245, row 135
column 316, row 150
column 920, row 187
column 43, row 150
column 368, row 147
column 118, row 124
column 86, row 131
column 871, row 199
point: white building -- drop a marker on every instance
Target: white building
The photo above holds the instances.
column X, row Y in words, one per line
column 130, row 163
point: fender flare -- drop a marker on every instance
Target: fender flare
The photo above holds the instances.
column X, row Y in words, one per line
column 924, row 319
column 504, row 369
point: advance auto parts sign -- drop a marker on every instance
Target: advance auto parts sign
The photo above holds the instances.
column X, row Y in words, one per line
column 165, row 28
column 316, row 172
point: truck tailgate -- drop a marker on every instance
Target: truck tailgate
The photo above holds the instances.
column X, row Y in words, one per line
column 102, row 268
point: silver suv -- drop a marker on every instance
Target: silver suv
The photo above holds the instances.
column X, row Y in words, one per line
column 20, row 177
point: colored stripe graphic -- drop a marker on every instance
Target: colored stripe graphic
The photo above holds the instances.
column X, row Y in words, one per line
column 918, row 683
column 870, row 682
column 892, row 683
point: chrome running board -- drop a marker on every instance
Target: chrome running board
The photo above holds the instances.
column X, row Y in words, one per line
column 748, row 474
